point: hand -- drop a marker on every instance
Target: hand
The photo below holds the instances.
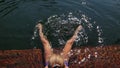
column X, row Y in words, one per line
column 39, row 26
column 78, row 29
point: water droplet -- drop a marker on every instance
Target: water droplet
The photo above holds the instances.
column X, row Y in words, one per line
column 89, row 56
column 78, row 51
column 97, row 27
column 100, row 40
column 33, row 38
column 83, row 60
column 96, row 54
column 75, row 61
column 79, row 62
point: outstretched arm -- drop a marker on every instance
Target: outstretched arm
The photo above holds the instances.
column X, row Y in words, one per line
column 45, row 42
column 70, row 42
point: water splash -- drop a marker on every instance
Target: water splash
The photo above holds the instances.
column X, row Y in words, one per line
column 59, row 28
column 35, row 36
column 63, row 27
column 100, row 32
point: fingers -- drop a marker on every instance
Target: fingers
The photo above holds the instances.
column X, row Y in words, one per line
column 39, row 26
column 79, row 28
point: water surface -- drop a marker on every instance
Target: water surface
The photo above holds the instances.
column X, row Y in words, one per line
column 18, row 18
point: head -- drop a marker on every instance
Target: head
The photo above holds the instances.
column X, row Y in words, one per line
column 56, row 61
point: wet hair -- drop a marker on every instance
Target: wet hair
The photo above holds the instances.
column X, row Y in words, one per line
column 56, row 61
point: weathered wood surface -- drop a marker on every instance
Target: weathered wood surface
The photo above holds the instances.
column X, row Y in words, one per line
column 83, row 57
column 21, row 58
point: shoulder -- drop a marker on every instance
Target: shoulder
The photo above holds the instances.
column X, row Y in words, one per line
column 66, row 67
column 46, row 66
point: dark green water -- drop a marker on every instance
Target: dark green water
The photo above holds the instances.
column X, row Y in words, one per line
column 18, row 18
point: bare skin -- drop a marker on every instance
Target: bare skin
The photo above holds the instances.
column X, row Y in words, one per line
column 45, row 42
column 66, row 49
column 70, row 42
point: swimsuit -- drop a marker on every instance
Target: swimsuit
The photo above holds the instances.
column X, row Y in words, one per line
column 46, row 64
column 66, row 63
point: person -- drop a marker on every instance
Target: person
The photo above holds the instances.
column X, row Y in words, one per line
column 53, row 60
